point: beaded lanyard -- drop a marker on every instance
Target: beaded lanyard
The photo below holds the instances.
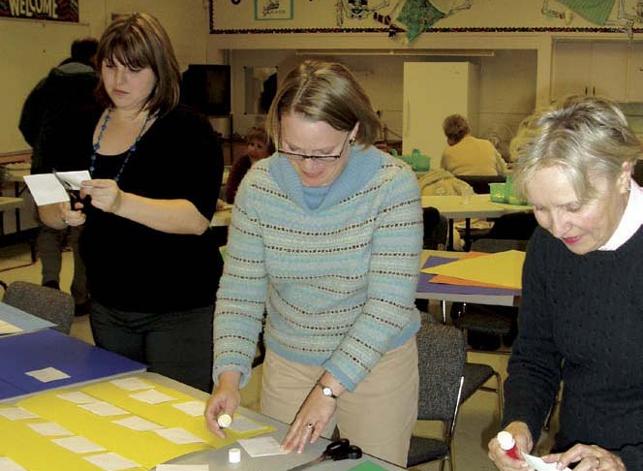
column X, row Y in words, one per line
column 130, row 151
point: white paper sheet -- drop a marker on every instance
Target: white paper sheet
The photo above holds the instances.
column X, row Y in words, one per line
column 242, row 424
column 78, row 444
column 47, row 375
column 46, row 189
column 7, row 464
column 192, row 408
column 103, row 409
column 182, row 467
column 132, row 384
column 152, row 396
column 179, row 435
column 17, row 413
column 539, row 465
column 262, row 446
column 50, row 429
column 77, row 397
column 7, row 328
column 112, row 462
column 137, row 423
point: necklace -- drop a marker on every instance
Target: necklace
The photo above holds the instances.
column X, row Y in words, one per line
column 130, row 151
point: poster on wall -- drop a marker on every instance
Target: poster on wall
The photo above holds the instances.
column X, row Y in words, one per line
column 273, row 9
column 50, row 10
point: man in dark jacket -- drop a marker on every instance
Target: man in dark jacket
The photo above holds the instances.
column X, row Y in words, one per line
column 61, row 108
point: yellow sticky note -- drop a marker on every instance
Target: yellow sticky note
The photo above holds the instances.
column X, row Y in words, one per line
column 502, row 269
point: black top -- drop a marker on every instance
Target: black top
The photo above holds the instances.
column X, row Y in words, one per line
column 135, row 268
column 58, row 117
column 581, row 320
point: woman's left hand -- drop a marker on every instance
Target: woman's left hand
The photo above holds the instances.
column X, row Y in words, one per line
column 106, row 194
column 588, row 457
column 310, row 421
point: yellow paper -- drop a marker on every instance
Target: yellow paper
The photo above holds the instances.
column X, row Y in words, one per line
column 502, row 269
column 36, row 452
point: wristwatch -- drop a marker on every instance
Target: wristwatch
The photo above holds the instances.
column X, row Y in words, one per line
column 327, row 391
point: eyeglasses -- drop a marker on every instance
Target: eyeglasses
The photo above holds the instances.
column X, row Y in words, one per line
column 318, row 158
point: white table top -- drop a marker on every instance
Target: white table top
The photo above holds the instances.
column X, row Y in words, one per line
column 221, row 217
column 479, row 206
column 218, row 459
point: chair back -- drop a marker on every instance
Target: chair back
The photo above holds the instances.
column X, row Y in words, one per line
column 498, row 245
column 47, row 303
column 480, row 183
column 441, row 357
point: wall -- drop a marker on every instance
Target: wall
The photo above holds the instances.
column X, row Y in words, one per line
column 29, row 49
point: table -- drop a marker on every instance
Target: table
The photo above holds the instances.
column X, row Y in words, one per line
column 221, row 218
column 465, row 294
column 218, row 459
column 478, row 206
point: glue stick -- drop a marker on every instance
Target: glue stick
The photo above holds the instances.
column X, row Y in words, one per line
column 508, row 444
column 224, row 420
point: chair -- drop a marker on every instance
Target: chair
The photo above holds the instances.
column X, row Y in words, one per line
column 47, row 303
column 441, row 357
column 480, row 183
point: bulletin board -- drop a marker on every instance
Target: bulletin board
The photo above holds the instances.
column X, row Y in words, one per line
column 28, row 50
column 418, row 16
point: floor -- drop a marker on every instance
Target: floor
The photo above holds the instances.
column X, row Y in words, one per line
column 477, row 422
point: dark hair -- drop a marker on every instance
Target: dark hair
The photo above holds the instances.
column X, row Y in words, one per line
column 139, row 41
column 328, row 92
column 455, row 128
column 256, row 133
column 84, row 50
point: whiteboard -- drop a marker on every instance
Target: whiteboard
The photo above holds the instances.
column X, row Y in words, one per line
column 28, row 50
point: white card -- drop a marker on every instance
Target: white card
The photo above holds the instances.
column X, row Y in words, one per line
column 78, row 444
column 17, row 413
column 182, row 467
column 74, row 178
column 137, row 423
column 46, row 189
column 47, row 375
column 242, row 424
column 152, row 396
column 193, row 408
column 262, row 446
column 539, row 465
column 50, row 429
column 112, row 462
column 179, row 435
column 7, row 464
column 77, row 397
column 6, row 328
column 103, row 409
column 131, row 384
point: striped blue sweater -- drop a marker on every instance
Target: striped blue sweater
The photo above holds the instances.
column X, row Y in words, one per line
column 337, row 282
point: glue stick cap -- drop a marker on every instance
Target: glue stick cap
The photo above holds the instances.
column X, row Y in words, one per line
column 234, row 455
column 506, row 441
column 224, row 420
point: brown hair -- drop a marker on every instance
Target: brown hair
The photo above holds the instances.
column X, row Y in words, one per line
column 455, row 128
column 139, row 41
column 328, row 92
column 256, row 133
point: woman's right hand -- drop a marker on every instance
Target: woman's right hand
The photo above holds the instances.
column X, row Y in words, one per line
column 225, row 399
column 524, row 441
column 72, row 217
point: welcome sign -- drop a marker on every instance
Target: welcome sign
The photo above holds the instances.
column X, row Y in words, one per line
column 54, row 10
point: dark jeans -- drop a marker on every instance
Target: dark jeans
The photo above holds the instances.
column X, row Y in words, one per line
column 175, row 344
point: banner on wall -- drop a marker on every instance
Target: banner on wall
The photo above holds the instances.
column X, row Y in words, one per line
column 53, row 10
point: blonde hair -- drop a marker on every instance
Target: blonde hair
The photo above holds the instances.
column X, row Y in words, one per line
column 328, row 92
column 139, row 41
column 584, row 136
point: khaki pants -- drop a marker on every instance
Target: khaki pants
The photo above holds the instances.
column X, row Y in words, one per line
column 379, row 415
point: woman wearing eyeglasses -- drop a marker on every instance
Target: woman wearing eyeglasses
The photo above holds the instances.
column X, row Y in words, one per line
column 326, row 235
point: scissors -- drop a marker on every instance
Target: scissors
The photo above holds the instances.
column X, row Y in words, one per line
column 74, row 195
column 336, row 451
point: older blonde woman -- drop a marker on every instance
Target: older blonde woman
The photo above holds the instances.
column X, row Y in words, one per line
column 581, row 319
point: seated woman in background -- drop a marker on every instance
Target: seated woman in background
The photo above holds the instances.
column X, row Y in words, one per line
column 327, row 235
column 581, row 316
column 259, row 146
column 468, row 155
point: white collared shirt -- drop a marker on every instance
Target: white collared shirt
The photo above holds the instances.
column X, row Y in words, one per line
column 630, row 222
